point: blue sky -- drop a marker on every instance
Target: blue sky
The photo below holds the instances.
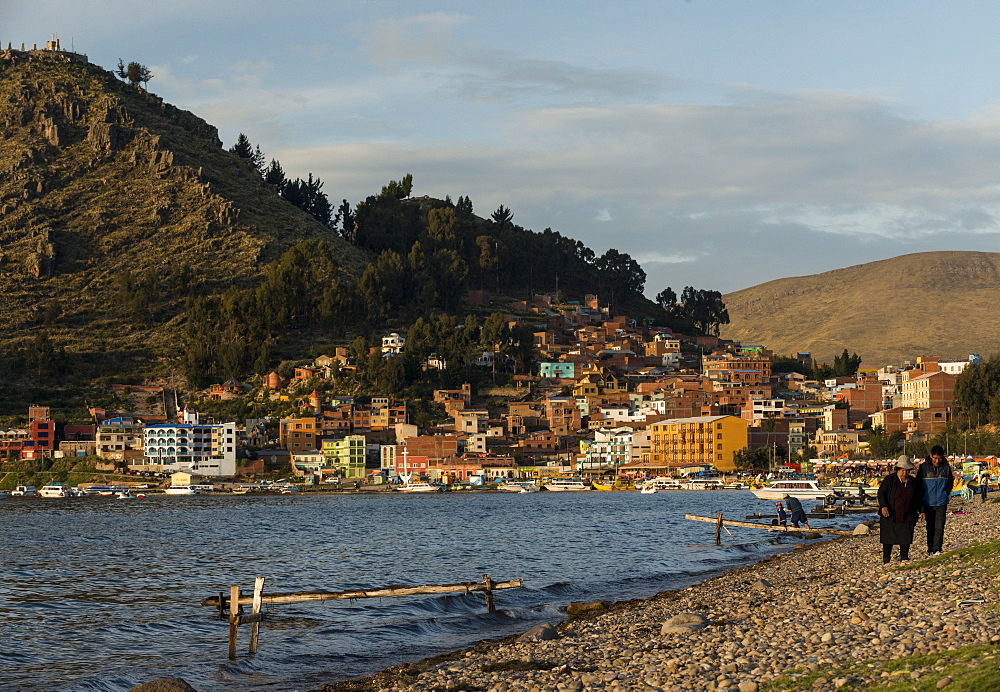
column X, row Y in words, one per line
column 721, row 143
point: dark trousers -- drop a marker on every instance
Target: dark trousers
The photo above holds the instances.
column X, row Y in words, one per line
column 904, row 552
column 935, row 527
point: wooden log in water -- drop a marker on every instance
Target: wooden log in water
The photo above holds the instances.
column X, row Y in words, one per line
column 234, row 619
column 769, row 527
column 382, row 592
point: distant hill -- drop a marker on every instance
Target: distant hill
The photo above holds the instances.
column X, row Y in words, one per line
column 101, row 182
column 929, row 303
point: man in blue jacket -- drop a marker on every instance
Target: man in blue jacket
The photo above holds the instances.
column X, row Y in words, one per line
column 938, row 481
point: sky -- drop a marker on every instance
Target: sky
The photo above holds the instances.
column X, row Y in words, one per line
column 720, row 143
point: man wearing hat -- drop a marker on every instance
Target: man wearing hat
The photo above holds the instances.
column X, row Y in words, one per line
column 938, row 480
column 798, row 515
column 900, row 504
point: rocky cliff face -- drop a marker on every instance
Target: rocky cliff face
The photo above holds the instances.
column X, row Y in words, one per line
column 100, row 179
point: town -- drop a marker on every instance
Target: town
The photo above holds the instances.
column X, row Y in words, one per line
column 607, row 400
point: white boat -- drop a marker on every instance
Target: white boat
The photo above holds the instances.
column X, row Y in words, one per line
column 125, row 495
column 564, row 484
column 55, row 490
column 24, row 491
column 703, row 484
column 181, row 490
column 648, row 489
column 418, row 487
column 801, row 489
column 661, row 483
column 518, row 487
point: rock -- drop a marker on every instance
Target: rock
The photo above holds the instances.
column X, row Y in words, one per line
column 684, row 623
column 540, row 633
column 862, row 530
column 748, row 686
column 761, row 585
column 164, row 685
column 811, row 536
column 943, row 682
column 591, row 607
column 840, row 682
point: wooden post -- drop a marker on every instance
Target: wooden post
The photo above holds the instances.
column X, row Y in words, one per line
column 222, row 604
column 488, row 583
column 258, row 587
column 718, row 529
column 234, row 619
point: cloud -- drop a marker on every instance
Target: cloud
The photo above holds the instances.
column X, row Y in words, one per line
column 603, row 216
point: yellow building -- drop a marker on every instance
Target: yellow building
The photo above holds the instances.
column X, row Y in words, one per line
column 699, row 440
column 298, row 434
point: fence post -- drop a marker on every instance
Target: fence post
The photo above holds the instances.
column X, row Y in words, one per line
column 258, row 587
column 718, row 529
column 488, row 583
column 234, row 619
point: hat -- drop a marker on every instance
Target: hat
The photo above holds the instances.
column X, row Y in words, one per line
column 903, row 462
column 785, row 496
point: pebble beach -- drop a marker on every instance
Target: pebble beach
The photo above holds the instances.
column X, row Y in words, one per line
column 826, row 615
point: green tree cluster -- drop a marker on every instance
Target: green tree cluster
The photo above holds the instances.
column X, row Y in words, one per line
column 977, row 393
column 697, row 310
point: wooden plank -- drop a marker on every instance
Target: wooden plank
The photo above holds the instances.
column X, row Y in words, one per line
column 250, row 618
column 258, row 588
column 769, row 527
column 383, row 592
column 234, row 611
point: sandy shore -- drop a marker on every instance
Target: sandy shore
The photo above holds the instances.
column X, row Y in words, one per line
column 824, row 608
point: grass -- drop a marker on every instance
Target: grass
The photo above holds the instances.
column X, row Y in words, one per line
column 972, row 668
column 986, row 556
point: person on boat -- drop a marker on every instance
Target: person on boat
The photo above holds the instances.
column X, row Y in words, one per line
column 798, row 514
column 900, row 504
column 938, row 481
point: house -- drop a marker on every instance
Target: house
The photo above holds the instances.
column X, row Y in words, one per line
column 205, row 448
column 393, row 343
column 298, row 434
column 346, row 455
column 697, row 440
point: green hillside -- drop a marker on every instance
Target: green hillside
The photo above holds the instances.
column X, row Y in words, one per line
column 931, row 303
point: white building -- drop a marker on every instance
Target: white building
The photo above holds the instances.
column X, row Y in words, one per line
column 610, row 449
column 393, row 343
column 208, row 449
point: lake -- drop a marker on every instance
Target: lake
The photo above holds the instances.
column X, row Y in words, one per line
column 103, row 594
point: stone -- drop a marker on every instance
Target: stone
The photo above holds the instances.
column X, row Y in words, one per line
column 761, row 585
column 840, row 682
column 862, row 530
column 943, row 682
column 164, row 685
column 542, row 632
column 591, row 607
column 748, row 686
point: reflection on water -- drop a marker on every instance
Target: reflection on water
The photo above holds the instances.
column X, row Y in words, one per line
column 103, row 595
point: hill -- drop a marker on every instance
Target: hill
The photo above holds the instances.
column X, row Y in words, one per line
column 106, row 193
column 929, row 303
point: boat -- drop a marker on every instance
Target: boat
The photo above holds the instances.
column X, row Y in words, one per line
column 55, row 490
column 564, row 484
column 99, row 490
column 801, row 489
column 648, row 489
column 703, row 484
column 518, row 487
column 3, row 494
column 24, row 491
column 418, row 487
column 126, row 495
column 663, row 483
column 181, row 490
column 601, row 486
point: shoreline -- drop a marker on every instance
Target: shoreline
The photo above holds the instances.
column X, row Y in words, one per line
column 819, row 608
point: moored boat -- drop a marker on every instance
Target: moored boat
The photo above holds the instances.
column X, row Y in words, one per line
column 55, row 490
column 801, row 489
column 181, row 490
column 418, row 487
column 518, row 487
column 564, row 484
column 24, row 491
column 649, row 489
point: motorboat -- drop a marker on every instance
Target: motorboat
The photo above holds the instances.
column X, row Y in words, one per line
column 648, row 489
column 703, row 484
column 24, row 491
column 518, row 487
column 601, row 486
column 661, row 483
column 55, row 490
column 418, row 487
column 181, row 490
column 800, row 489
column 563, row 484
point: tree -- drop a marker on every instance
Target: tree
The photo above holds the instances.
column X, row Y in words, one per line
column 746, row 458
column 884, row 445
column 245, row 150
column 134, row 72
column 977, row 392
column 620, row 275
column 502, row 217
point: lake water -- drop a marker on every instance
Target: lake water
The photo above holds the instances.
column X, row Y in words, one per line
column 103, row 594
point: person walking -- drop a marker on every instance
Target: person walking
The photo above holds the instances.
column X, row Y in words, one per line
column 900, row 501
column 798, row 515
column 937, row 478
